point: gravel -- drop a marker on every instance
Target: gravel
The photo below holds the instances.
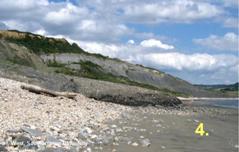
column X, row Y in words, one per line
column 38, row 121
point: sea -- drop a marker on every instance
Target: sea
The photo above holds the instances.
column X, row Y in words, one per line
column 223, row 103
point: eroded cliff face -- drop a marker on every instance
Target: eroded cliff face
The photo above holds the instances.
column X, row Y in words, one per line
column 132, row 72
column 21, row 35
column 57, row 56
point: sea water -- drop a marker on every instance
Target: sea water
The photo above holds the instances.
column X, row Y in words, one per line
column 223, row 103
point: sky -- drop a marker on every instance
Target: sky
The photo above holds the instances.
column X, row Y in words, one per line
column 196, row 40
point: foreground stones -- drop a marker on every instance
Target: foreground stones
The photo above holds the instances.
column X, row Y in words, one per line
column 32, row 121
column 34, row 139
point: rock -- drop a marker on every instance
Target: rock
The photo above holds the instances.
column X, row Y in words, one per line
column 32, row 132
column 22, row 141
column 158, row 125
column 84, row 133
column 54, row 128
column 116, row 139
column 13, row 131
column 55, row 150
column 118, row 130
column 145, row 142
column 113, row 126
column 195, row 120
column 3, row 149
column 93, row 136
column 107, row 140
column 125, row 139
column 53, row 141
column 88, row 149
column 139, row 99
column 135, row 144
column 87, row 130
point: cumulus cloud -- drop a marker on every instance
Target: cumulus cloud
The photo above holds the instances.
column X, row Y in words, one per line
column 166, row 60
column 22, row 4
column 175, row 11
column 104, row 26
column 156, row 43
column 231, row 22
column 228, row 42
column 68, row 14
column 196, row 67
column 192, row 62
column 2, row 26
column 130, row 42
column 231, row 3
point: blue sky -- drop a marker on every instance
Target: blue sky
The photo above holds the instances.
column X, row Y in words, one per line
column 196, row 40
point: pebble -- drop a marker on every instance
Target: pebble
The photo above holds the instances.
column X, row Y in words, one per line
column 53, row 141
column 32, row 132
column 3, row 149
column 145, row 142
column 113, row 126
column 59, row 149
column 195, row 120
column 135, row 144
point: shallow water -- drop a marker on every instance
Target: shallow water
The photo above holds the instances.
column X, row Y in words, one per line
column 217, row 103
column 175, row 132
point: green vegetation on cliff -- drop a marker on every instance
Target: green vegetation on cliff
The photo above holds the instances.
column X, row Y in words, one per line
column 54, row 54
column 94, row 71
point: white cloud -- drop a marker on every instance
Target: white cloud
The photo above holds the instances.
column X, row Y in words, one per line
column 102, row 26
column 163, row 60
column 231, row 22
column 174, row 11
column 88, row 25
column 192, row 62
column 41, row 32
column 131, row 42
column 231, row 3
column 2, row 26
column 67, row 14
column 13, row 24
column 22, row 4
column 96, row 30
column 156, row 43
column 229, row 42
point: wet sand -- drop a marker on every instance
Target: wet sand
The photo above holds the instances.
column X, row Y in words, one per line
column 173, row 130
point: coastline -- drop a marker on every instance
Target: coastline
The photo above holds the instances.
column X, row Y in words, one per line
column 33, row 122
column 205, row 98
column 170, row 130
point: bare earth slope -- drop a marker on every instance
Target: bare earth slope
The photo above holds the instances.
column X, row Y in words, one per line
column 70, row 59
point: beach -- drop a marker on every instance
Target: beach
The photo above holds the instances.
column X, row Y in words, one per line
column 170, row 130
column 35, row 122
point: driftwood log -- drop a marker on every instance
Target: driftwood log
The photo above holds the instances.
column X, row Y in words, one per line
column 39, row 90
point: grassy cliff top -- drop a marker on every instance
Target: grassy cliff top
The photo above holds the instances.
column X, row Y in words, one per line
column 43, row 45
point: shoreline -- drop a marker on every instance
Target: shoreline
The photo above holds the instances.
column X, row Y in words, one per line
column 84, row 124
column 205, row 98
column 151, row 129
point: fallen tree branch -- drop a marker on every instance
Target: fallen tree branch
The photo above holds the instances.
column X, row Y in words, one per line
column 39, row 90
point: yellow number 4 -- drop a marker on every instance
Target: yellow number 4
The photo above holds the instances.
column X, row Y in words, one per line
column 200, row 129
